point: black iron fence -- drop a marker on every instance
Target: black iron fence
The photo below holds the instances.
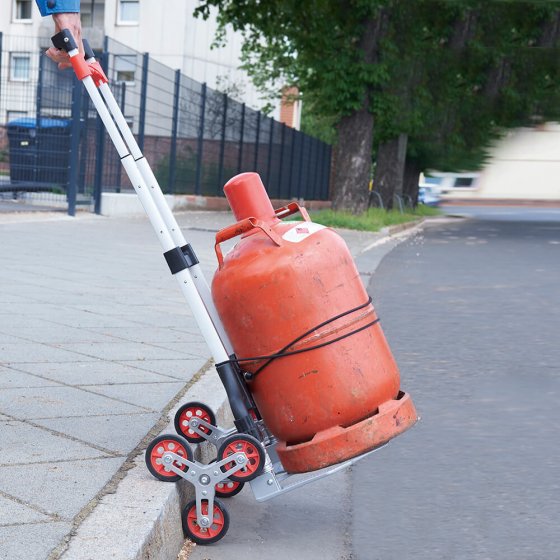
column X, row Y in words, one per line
column 54, row 147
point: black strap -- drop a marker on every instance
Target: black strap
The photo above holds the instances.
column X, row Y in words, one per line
column 284, row 353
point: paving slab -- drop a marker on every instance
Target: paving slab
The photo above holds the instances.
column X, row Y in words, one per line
column 54, row 402
column 139, row 334
column 121, row 351
column 61, row 487
column 172, row 368
column 31, row 540
column 147, row 395
column 13, row 512
column 98, row 372
column 12, row 378
column 56, row 334
column 116, row 433
column 30, row 352
column 46, row 445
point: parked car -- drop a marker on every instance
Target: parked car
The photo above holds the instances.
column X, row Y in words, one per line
column 447, row 183
column 428, row 196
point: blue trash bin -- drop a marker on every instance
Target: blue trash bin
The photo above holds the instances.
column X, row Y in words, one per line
column 39, row 151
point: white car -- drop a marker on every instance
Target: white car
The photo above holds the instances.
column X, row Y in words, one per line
column 428, row 196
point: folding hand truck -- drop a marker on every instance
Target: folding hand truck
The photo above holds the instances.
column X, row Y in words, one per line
column 245, row 453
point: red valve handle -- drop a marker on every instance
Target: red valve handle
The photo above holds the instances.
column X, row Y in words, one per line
column 244, row 226
column 290, row 209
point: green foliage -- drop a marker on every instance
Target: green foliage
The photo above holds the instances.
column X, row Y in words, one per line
column 453, row 76
column 185, row 174
column 312, row 44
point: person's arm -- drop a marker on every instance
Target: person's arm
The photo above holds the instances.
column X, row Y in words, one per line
column 66, row 15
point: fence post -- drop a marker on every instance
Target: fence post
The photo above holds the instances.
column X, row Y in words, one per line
column 302, row 149
column 322, row 166
column 38, row 107
column 222, row 144
column 100, row 141
column 316, row 182
column 39, row 94
column 257, row 139
column 269, row 162
column 240, row 157
column 174, row 128
column 281, row 165
column 143, row 94
column 74, row 146
column 292, row 162
column 84, row 146
column 328, row 170
column 1, row 53
column 307, row 182
column 120, row 167
column 200, row 143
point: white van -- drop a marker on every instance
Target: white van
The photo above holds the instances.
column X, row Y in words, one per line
column 442, row 184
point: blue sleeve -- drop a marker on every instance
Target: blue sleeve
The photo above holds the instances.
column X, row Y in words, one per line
column 48, row 7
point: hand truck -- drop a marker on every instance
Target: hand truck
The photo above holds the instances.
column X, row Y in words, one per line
column 246, row 452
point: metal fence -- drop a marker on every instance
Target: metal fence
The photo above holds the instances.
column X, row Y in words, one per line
column 54, row 147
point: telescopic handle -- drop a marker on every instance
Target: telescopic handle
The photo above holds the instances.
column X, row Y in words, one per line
column 64, row 41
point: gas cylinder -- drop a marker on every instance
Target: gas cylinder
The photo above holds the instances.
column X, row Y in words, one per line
column 304, row 328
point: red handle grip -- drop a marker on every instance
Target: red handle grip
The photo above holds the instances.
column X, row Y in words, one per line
column 240, row 228
column 290, row 209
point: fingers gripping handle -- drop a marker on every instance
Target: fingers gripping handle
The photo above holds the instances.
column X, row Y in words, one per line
column 65, row 41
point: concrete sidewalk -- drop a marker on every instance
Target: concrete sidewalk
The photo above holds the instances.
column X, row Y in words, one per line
column 97, row 347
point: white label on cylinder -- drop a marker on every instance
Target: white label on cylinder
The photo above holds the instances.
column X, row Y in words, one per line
column 301, row 231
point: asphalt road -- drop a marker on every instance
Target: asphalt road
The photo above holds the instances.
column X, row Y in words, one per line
column 471, row 311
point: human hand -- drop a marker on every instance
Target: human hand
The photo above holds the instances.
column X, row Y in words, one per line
column 72, row 22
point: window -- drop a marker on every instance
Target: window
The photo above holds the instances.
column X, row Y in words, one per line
column 125, row 68
column 464, row 182
column 128, row 11
column 13, row 115
column 22, row 10
column 20, row 67
column 432, row 180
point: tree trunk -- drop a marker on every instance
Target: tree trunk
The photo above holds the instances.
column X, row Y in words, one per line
column 551, row 33
column 352, row 162
column 410, row 181
column 389, row 171
column 353, row 150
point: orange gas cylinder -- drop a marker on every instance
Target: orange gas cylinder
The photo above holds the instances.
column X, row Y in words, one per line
column 290, row 290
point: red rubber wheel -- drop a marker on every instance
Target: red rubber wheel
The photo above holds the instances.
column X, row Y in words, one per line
column 185, row 413
column 228, row 488
column 205, row 535
column 161, row 445
column 253, row 450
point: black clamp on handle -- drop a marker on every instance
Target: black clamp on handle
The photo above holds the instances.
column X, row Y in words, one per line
column 64, row 41
column 88, row 51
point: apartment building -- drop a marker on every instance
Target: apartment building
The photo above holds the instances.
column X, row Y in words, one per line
column 167, row 30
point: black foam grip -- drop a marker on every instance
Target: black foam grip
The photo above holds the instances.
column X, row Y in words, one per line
column 64, row 41
column 88, row 51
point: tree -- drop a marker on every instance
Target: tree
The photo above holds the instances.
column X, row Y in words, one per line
column 424, row 83
column 330, row 50
column 499, row 69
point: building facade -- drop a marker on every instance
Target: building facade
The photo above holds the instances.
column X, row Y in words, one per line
column 167, row 30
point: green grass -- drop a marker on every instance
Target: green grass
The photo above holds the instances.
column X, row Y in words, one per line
column 372, row 220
